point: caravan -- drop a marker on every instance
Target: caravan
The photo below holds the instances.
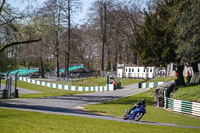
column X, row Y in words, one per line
column 133, row 71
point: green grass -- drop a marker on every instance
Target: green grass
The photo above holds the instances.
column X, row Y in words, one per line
column 160, row 79
column 45, row 91
column 15, row 121
column 187, row 93
column 94, row 81
column 154, row 114
column 126, row 81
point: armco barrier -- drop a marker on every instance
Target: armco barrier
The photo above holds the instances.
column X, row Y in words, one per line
column 186, row 107
column 150, row 85
column 108, row 87
column 163, row 91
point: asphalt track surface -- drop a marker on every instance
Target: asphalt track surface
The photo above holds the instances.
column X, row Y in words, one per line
column 72, row 105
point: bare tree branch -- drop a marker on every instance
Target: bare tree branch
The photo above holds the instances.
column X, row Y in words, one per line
column 17, row 43
column 2, row 5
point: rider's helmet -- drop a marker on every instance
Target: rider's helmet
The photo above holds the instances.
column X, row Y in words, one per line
column 143, row 101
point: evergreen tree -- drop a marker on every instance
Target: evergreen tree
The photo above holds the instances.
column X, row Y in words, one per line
column 156, row 42
column 186, row 18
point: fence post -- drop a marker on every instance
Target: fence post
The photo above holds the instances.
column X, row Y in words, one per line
column 166, row 103
column 7, row 86
column 10, row 87
column 15, row 87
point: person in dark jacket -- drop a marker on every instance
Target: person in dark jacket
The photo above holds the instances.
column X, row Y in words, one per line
column 137, row 105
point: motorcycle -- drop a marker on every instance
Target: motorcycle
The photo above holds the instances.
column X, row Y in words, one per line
column 134, row 114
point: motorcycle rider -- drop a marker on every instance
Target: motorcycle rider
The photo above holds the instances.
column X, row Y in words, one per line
column 137, row 105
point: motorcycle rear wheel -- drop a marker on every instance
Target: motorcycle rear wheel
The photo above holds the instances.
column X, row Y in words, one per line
column 138, row 116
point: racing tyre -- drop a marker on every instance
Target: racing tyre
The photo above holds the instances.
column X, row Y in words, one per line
column 125, row 117
column 138, row 116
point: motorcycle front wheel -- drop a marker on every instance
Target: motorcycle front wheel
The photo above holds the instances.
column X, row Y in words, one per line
column 125, row 117
column 138, row 116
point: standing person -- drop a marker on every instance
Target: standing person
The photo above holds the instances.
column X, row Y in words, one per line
column 176, row 74
column 115, row 84
column 188, row 76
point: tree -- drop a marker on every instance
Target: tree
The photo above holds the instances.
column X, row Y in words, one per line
column 54, row 19
column 115, row 24
column 72, row 6
column 186, row 17
column 154, row 38
column 153, row 41
column 99, row 15
column 90, row 47
column 8, row 17
column 170, row 34
column 131, row 17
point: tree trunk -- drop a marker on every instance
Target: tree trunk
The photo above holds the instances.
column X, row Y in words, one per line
column 66, row 66
column 120, row 57
column 195, row 67
column 180, row 75
column 69, row 36
column 115, row 62
column 103, row 17
column 127, row 55
column 109, row 61
column 57, row 66
column 42, row 67
column 135, row 57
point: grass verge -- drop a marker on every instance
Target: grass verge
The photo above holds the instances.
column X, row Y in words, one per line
column 154, row 114
column 92, row 81
column 161, row 79
column 45, row 91
column 187, row 93
column 126, row 81
column 15, row 121
column 99, row 81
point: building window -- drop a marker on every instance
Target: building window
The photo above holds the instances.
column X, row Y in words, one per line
column 151, row 70
column 129, row 69
column 144, row 69
column 138, row 69
column 126, row 70
column 132, row 69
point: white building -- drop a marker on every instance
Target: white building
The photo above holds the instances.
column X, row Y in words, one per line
column 132, row 71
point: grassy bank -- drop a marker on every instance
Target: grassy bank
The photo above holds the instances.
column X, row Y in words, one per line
column 126, row 81
column 154, row 114
column 92, row 81
column 187, row 93
column 14, row 121
column 45, row 91
column 99, row 81
column 160, row 79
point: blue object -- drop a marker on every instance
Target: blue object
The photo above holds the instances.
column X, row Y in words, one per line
column 135, row 114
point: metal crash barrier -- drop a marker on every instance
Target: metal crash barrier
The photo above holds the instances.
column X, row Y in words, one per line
column 9, row 89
